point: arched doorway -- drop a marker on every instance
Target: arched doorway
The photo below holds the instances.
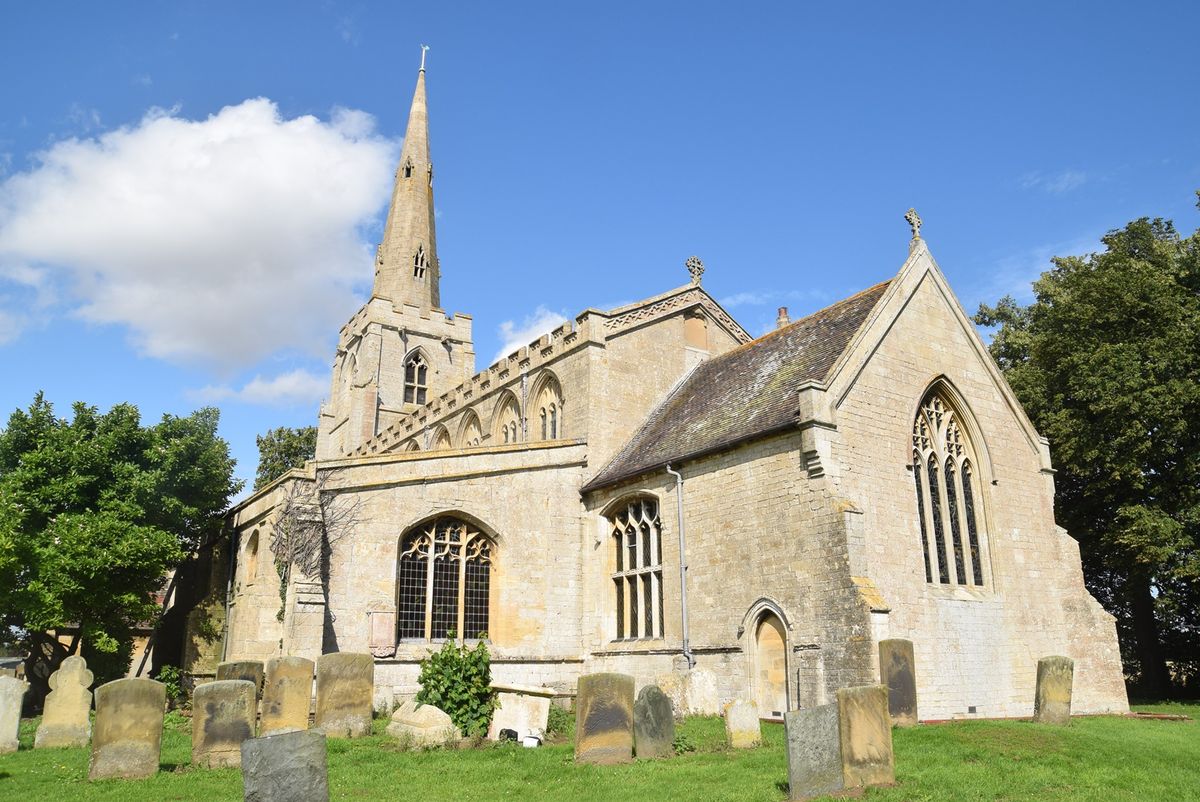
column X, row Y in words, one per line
column 770, row 666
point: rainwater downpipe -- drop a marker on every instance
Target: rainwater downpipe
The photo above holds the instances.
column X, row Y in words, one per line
column 687, row 647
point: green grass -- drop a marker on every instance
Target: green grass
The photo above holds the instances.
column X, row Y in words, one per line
column 1101, row 758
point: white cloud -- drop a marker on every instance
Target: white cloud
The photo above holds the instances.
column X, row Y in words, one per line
column 1054, row 183
column 514, row 336
column 758, row 298
column 287, row 389
column 218, row 241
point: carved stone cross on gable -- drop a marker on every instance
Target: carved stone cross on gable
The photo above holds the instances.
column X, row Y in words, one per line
column 695, row 267
column 914, row 220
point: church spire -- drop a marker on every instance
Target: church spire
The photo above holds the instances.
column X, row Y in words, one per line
column 406, row 264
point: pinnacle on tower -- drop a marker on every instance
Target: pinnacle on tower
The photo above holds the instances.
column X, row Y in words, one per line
column 406, row 264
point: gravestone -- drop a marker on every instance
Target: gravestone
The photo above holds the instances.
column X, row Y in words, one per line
column 604, row 719
column 65, row 720
column 523, row 709
column 422, row 725
column 743, row 730
column 653, row 723
column 12, row 696
column 127, row 736
column 897, row 671
column 222, row 717
column 814, row 752
column 866, row 736
column 1052, row 700
column 345, row 688
column 251, row 670
column 288, row 767
column 287, row 695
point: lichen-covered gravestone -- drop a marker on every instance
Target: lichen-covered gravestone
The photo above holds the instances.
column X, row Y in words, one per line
column 866, row 736
column 345, row 688
column 743, row 729
column 65, row 720
column 251, row 670
column 653, row 723
column 422, row 725
column 288, row 767
column 814, row 752
column 898, row 672
column 12, row 695
column 1052, row 701
column 222, row 717
column 127, row 736
column 604, row 719
column 287, row 695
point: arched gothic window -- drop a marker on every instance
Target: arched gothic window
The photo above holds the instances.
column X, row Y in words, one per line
column 419, row 262
column 637, row 538
column 471, row 432
column 441, row 442
column 408, row 169
column 508, row 422
column 549, row 406
column 416, row 378
column 444, row 581
column 252, row 557
column 945, row 484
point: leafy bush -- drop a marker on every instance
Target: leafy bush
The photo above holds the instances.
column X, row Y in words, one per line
column 458, row 681
column 172, row 678
column 560, row 722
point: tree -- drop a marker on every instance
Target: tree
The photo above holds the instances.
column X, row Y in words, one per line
column 1106, row 361
column 282, row 449
column 94, row 512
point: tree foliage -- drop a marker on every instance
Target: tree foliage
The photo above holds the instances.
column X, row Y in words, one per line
column 1106, row 361
column 282, row 449
column 94, row 511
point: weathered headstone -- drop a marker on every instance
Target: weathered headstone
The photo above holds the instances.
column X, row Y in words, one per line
column 653, row 723
column 12, row 695
column 866, row 736
column 897, row 671
column 251, row 670
column 1052, row 701
column 743, row 730
column 422, row 725
column 65, row 719
column 222, row 717
column 345, row 689
column 523, row 709
column 127, row 736
column 288, row 767
column 814, row 752
column 604, row 719
column 287, row 695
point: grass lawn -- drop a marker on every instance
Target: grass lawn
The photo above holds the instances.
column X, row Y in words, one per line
column 1094, row 759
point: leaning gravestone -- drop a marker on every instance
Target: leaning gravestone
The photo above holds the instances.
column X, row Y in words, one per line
column 743, row 729
column 653, row 723
column 1052, row 701
column 604, row 719
column 814, row 752
column 65, row 720
column 345, row 688
column 866, row 736
column 898, row 672
column 251, row 670
column 422, row 725
column 287, row 695
column 12, row 695
column 288, row 767
column 127, row 736
column 222, row 717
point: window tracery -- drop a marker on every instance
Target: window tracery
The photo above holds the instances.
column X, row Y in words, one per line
column 416, row 379
column 444, row 581
column 508, row 422
column 636, row 532
column 549, row 406
column 420, row 262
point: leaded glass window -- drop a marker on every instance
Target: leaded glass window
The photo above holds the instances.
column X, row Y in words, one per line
column 416, row 379
column 444, row 577
column 637, row 539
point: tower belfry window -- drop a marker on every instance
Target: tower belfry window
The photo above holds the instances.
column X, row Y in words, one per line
column 416, row 376
column 420, row 262
column 408, row 169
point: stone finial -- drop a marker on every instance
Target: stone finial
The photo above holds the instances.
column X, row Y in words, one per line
column 782, row 318
column 695, row 267
column 914, row 220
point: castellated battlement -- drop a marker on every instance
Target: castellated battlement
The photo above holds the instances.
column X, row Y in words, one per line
column 432, row 322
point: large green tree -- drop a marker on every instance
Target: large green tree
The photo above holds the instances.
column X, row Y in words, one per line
column 282, row 449
column 94, row 511
column 1107, row 362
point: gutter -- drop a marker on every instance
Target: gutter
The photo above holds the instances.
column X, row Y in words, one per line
column 687, row 648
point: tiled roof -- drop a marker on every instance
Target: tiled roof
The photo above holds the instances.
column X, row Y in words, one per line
column 741, row 394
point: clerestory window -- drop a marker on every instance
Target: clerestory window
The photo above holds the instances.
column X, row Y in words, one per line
column 416, row 378
column 946, row 493
column 637, row 582
column 444, row 581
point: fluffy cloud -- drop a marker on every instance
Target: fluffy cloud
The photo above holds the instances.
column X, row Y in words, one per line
column 1054, row 183
column 514, row 336
column 287, row 389
column 216, row 241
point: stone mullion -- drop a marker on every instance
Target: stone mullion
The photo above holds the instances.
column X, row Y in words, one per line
column 462, row 589
column 429, row 590
column 960, row 499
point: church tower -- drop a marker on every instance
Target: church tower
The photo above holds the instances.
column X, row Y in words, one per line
column 400, row 350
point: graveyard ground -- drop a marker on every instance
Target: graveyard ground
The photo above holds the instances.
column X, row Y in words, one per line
column 1100, row 758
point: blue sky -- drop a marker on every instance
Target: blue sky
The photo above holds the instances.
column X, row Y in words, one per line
column 190, row 193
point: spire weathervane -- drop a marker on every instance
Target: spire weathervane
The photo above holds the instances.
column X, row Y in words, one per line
column 914, row 220
column 424, row 50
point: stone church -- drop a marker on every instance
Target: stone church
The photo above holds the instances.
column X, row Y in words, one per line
column 651, row 490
